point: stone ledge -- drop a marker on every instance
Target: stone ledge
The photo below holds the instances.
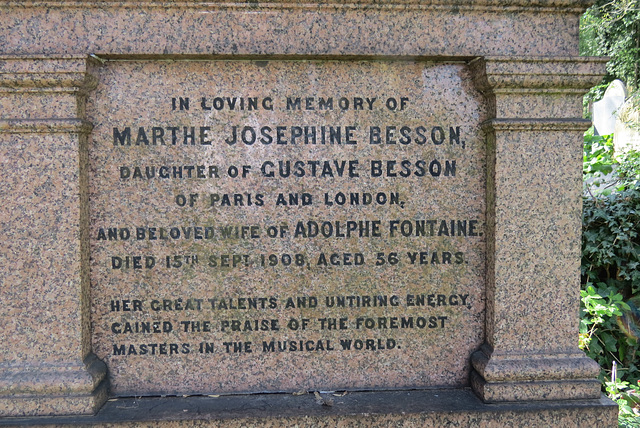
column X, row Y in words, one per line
column 535, row 124
column 45, row 126
column 458, row 407
column 574, row 6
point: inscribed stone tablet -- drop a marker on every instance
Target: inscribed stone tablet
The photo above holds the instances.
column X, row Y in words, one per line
column 286, row 225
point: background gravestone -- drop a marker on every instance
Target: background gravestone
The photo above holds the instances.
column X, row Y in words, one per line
column 604, row 111
column 626, row 135
column 217, row 199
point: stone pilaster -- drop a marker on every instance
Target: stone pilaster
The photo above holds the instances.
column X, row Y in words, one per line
column 46, row 363
column 534, row 155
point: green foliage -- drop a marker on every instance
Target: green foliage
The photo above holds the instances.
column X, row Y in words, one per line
column 600, row 335
column 610, row 296
column 597, row 312
column 627, row 395
column 598, row 160
column 611, row 243
column 629, row 170
column 612, row 28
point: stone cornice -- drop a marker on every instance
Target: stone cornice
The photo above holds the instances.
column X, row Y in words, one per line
column 573, row 6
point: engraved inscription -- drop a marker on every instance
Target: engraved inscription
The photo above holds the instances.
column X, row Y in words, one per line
column 286, row 225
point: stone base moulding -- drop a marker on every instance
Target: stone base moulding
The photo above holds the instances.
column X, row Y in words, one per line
column 53, row 390
column 503, row 378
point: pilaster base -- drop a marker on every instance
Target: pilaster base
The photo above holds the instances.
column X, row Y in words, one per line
column 531, row 377
column 48, row 390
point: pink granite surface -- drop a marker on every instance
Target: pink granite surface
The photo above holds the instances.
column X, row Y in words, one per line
column 138, row 94
column 521, row 275
column 295, row 28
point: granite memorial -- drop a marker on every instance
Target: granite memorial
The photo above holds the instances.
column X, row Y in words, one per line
column 293, row 213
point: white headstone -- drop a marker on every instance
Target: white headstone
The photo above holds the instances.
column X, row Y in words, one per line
column 604, row 110
column 627, row 128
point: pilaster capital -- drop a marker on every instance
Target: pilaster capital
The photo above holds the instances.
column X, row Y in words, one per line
column 518, row 75
column 46, row 73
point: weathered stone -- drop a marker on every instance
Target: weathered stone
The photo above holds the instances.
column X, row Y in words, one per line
column 210, row 199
